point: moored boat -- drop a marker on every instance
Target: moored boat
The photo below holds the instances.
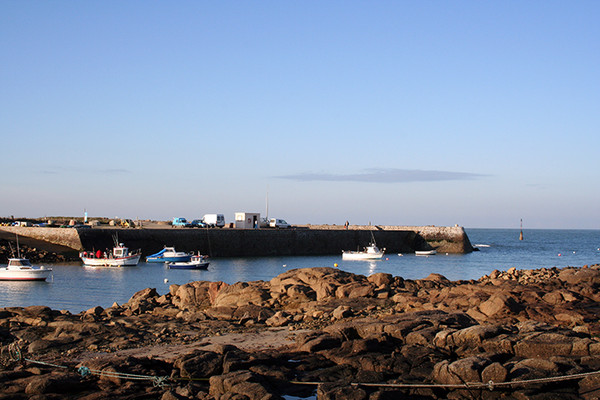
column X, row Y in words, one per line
column 169, row 254
column 425, row 252
column 120, row 256
column 20, row 269
column 196, row 262
column 370, row 252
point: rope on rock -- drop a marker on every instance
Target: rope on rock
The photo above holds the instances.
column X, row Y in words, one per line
column 491, row 385
column 15, row 355
column 12, row 353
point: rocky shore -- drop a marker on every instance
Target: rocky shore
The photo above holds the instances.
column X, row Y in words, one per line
column 46, row 254
column 318, row 333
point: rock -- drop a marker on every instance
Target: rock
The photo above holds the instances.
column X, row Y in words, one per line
column 334, row 392
column 240, row 294
column 589, row 387
column 144, row 294
column 494, row 372
column 196, row 296
column 355, row 290
column 436, row 278
column 301, row 293
column 576, row 276
column 472, row 336
column 342, row 312
column 466, row 370
column 199, row 364
column 501, row 302
column 240, row 382
column 314, row 343
column 280, row 318
column 381, row 279
column 540, row 345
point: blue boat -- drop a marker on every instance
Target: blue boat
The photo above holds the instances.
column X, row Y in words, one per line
column 197, row 262
column 168, row 254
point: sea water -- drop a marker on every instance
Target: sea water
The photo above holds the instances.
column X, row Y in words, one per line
column 76, row 288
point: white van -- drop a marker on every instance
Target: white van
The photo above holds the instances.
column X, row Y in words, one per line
column 213, row 220
column 278, row 223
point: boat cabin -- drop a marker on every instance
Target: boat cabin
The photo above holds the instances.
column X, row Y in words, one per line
column 120, row 251
column 19, row 262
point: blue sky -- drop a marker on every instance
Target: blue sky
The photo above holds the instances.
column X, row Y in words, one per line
column 384, row 112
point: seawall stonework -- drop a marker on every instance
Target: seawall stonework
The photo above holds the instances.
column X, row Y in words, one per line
column 306, row 240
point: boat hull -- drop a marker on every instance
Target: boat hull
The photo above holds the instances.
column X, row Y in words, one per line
column 24, row 275
column 357, row 256
column 188, row 265
column 425, row 252
column 129, row 261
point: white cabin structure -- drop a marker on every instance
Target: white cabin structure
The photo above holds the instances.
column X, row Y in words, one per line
column 244, row 220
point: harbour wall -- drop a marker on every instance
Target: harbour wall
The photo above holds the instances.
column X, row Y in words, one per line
column 303, row 240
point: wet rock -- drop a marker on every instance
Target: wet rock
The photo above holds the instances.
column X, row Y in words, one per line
column 199, row 364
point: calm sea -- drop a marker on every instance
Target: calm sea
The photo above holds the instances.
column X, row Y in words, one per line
column 76, row 288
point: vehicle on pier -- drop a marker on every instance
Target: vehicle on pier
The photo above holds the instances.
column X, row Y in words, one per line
column 214, row 220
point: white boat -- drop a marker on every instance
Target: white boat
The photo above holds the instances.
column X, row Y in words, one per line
column 120, row 256
column 371, row 252
column 20, row 269
column 169, row 254
column 425, row 252
column 196, row 262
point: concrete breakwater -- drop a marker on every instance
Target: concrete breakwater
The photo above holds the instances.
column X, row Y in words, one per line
column 305, row 240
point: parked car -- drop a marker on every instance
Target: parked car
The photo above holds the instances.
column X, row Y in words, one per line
column 180, row 222
column 278, row 223
column 198, row 223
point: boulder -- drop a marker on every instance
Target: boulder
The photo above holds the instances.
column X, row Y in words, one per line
column 381, row 279
column 197, row 295
column 241, row 294
column 342, row 312
column 466, row 370
column 544, row 345
column 280, row 318
column 245, row 383
column 199, row 364
column 500, row 303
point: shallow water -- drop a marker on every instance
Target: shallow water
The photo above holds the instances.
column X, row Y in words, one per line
column 76, row 288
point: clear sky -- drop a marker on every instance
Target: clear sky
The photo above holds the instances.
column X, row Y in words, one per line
column 475, row 113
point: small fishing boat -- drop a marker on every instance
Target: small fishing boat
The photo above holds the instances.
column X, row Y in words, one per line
column 120, row 256
column 169, row 254
column 425, row 252
column 371, row 252
column 196, row 262
column 20, row 269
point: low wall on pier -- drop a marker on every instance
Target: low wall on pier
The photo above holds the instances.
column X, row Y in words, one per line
column 304, row 240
